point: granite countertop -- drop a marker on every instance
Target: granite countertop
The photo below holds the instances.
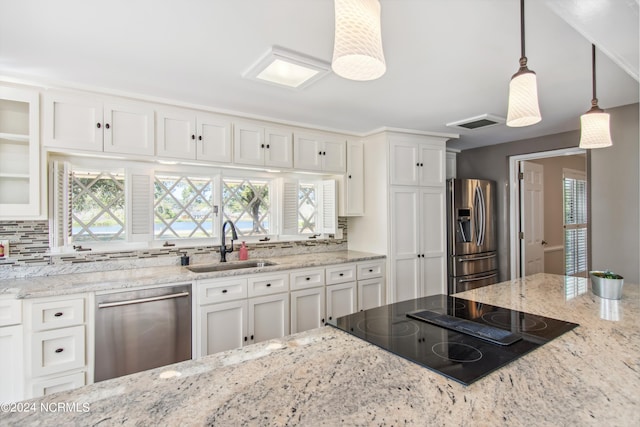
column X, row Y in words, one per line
column 93, row 281
column 588, row 376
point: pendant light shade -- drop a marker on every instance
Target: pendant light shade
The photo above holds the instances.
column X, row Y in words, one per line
column 357, row 49
column 594, row 124
column 523, row 109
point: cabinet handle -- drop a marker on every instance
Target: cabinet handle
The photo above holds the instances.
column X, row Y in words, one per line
column 199, row 137
column 349, row 176
column 193, row 137
column 422, row 255
column 421, row 164
column 251, row 337
column 308, row 278
column 322, row 321
column 107, row 126
column 371, row 270
column 267, row 145
column 268, row 285
column 245, row 339
column 319, row 153
column 330, row 318
column 224, row 291
column 98, row 125
column 59, row 350
column 261, row 145
column 324, row 153
column 341, row 274
column 418, row 164
column 58, row 314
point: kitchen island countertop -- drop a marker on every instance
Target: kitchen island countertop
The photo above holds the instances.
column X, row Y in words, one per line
column 588, row 376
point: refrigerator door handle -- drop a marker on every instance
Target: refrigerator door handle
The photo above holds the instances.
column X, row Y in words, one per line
column 476, row 258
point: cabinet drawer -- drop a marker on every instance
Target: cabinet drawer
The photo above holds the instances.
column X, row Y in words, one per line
column 268, row 284
column 210, row 291
column 303, row 279
column 341, row 273
column 54, row 385
column 370, row 270
column 57, row 314
column 10, row 311
column 57, row 351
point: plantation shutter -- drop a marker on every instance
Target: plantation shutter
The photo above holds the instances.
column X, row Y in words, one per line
column 140, row 208
column 575, row 222
column 60, row 221
column 328, row 214
column 289, row 206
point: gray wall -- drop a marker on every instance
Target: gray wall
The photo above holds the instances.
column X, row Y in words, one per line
column 615, row 199
column 492, row 162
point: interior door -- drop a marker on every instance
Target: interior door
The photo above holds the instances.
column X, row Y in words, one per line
column 531, row 218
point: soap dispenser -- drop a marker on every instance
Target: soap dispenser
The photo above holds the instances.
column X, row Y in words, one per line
column 244, row 252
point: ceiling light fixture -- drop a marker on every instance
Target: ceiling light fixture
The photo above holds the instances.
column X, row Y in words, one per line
column 594, row 124
column 357, row 48
column 284, row 67
column 523, row 107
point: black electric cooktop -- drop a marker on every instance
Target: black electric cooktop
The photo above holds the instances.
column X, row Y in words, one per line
column 460, row 339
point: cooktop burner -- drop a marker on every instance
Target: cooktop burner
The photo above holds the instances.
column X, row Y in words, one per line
column 461, row 339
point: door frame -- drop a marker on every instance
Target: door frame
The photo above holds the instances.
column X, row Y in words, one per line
column 514, row 199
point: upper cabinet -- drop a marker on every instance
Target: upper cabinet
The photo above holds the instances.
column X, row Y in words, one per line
column 193, row 135
column 20, row 195
column 319, row 152
column 92, row 123
column 256, row 145
column 416, row 162
column 451, row 164
column 352, row 186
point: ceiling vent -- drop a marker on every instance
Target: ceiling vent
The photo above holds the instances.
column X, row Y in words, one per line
column 477, row 122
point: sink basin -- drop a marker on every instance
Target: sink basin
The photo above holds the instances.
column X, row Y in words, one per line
column 225, row 266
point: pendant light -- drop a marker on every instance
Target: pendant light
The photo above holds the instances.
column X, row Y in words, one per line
column 357, row 49
column 594, row 124
column 523, row 107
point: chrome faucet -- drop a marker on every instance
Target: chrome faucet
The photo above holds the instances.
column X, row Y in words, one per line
column 223, row 247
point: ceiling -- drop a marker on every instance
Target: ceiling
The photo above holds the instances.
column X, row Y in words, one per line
column 447, row 60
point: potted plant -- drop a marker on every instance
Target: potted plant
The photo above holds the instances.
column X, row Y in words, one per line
column 606, row 284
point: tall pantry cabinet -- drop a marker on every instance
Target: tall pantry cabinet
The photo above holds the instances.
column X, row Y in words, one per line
column 405, row 211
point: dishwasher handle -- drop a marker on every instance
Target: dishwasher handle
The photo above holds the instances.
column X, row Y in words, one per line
column 142, row 300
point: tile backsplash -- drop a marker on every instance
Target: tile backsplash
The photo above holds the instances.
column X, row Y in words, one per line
column 29, row 252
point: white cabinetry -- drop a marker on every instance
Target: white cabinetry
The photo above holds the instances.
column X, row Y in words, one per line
column 193, row 135
column 371, row 285
column 268, row 317
column 405, row 205
column 56, row 351
column 319, row 152
column 11, row 353
column 451, row 164
column 93, row 123
column 307, row 299
column 20, row 195
column 259, row 146
column 342, row 290
column 353, row 187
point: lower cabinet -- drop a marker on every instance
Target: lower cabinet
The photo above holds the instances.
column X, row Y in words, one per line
column 222, row 327
column 53, row 385
column 268, row 317
column 371, row 293
column 11, row 369
column 342, row 299
column 307, row 309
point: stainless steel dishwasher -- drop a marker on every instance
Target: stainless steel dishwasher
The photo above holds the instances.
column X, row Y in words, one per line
column 142, row 329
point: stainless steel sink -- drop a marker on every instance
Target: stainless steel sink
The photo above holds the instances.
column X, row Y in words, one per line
column 225, row 266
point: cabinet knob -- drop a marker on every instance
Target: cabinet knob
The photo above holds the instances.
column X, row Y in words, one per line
column 193, row 137
column 199, row 137
column 224, row 291
column 98, row 125
column 322, row 320
column 245, row 339
column 261, row 145
column 341, row 274
column 268, row 285
column 251, row 337
column 418, row 164
column 107, row 126
column 421, row 164
column 349, row 176
column 308, row 278
column 267, row 145
column 319, row 153
column 59, row 350
column 330, row 317
column 371, row 270
column 324, row 153
column 58, row 314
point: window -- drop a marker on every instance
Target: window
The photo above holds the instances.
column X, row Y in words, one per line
column 183, row 207
column 97, row 206
column 575, row 222
column 307, row 208
column 246, row 202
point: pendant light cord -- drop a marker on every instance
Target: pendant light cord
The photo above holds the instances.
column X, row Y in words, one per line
column 594, row 100
column 523, row 58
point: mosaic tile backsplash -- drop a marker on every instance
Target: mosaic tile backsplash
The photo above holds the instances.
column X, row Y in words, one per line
column 29, row 252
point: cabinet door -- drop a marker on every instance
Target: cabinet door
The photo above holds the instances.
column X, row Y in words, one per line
column 342, row 299
column 451, row 161
column 404, row 162
column 334, row 156
column 307, row 309
column 128, row 128
column 214, row 138
column 176, row 132
column 20, row 195
column 268, row 317
column 248, row 144
column 11, row 369
column 434, row 276
column 371, row 293
column 57, row 350
column 73, row 121
column 432, row 165
column 54, row 385
column 405, row 244
column 307, row 152
column 222, row 327
column 278, row 148
column 432, row 222
column 355, row 179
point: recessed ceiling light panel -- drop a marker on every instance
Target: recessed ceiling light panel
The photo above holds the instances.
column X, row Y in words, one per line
column 286, row 68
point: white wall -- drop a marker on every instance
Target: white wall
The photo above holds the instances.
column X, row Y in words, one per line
column 615, row 198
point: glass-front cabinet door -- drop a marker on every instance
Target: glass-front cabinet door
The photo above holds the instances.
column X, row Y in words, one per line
column 19, row 154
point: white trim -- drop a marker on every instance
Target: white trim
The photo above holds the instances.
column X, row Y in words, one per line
column 514, row 199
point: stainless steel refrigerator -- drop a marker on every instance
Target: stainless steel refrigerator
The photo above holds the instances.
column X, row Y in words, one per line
column 471, row 234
